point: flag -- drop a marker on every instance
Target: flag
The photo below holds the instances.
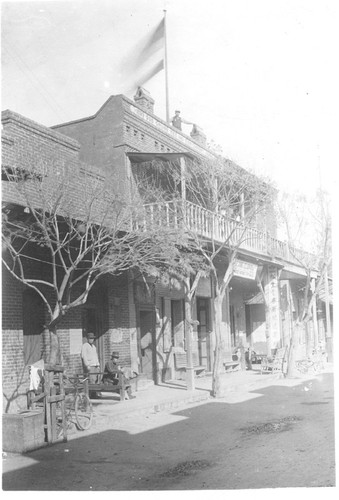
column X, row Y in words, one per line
column 154, row 43
column 146, row 62
column 150, row 73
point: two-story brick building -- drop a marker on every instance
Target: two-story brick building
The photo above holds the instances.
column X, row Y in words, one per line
column 144, row 321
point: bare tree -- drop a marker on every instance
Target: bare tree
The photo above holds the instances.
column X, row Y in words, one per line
column 62, row 233
column 307, row 223
column 215, row 204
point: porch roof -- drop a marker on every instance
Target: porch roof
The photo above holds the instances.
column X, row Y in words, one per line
column 142, row 157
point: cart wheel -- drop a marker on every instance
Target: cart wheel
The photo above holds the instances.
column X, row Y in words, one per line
column 83, row 412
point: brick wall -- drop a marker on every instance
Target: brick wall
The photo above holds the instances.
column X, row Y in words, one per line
column 28, row 145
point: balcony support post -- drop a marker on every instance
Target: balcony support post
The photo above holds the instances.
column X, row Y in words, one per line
column 189, row 340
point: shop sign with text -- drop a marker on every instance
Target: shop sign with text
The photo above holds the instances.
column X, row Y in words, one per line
column 245, row 269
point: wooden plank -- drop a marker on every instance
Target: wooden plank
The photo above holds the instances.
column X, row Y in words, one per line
column 63, row 407
column 48, row 408
column 55, row 398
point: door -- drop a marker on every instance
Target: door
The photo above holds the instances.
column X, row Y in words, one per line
column 33, row 325
column 258, row 328
column 232, row 326
column 92, row 321
column 147, row 344
column 178, row 328
column 203, row 331
column 95, row 318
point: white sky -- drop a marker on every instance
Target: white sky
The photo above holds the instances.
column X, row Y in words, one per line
column 258, row 76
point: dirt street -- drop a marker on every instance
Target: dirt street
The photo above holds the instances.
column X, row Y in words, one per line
column 279, row 436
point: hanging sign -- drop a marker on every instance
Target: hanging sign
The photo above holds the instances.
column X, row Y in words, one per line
column 245, row 269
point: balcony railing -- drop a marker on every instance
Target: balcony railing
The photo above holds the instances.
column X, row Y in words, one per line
column 219, row 228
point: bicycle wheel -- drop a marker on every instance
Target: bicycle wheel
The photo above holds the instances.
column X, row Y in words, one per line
column 60, row 433
column 83, row 411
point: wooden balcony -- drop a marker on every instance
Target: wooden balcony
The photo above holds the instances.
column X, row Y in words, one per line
column 219, row 229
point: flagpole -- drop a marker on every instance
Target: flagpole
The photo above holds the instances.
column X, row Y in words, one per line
column 166, row 71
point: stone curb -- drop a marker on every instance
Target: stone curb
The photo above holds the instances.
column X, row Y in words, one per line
column 153, row 407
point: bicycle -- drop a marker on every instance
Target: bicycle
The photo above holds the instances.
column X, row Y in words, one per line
column 78, row 407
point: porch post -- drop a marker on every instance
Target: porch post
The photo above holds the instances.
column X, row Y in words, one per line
column 183, row 178
column 189, row 343
column 315, row 323
column 329, row 346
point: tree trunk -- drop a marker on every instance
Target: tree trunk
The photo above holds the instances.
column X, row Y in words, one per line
column 216, row 382
column 54, row 357
column 189, row 338
column 291, row 357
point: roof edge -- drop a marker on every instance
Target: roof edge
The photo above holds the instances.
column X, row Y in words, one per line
column 9, row 116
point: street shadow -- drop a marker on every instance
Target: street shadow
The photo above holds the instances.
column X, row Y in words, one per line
column 167, row 451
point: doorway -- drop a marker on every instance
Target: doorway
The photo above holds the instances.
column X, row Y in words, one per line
column 178, row 323
column 33, row 318
column 148, row 344
column 256, row 327
column 94, row 319
column 203, row 316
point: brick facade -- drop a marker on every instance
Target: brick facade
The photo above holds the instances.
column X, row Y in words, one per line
column 121, row 308
column 26, row 143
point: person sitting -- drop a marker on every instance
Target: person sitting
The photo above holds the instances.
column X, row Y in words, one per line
column 112, row 371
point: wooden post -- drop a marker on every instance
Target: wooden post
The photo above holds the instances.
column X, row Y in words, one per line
column 122, row 385
column 329, row 346
column 51, row 400
column 63, row 406
column 47, row 390
column 315, row 323
column 189, row 326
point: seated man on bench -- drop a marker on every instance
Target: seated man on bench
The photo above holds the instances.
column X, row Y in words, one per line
column 111, row 373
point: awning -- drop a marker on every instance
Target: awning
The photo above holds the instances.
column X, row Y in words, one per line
column 143, row 157
column 257, row 299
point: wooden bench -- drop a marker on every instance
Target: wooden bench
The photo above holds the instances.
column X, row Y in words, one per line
column 121, row 387
column 230, row 364
column 181, row 362
column 275, row 363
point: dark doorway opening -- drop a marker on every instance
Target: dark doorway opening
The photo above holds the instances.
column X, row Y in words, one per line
column 148, row 344
column 33, row 312
column 203, row 316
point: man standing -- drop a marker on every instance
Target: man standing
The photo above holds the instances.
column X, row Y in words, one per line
column 90, row 360
column 177, row 120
